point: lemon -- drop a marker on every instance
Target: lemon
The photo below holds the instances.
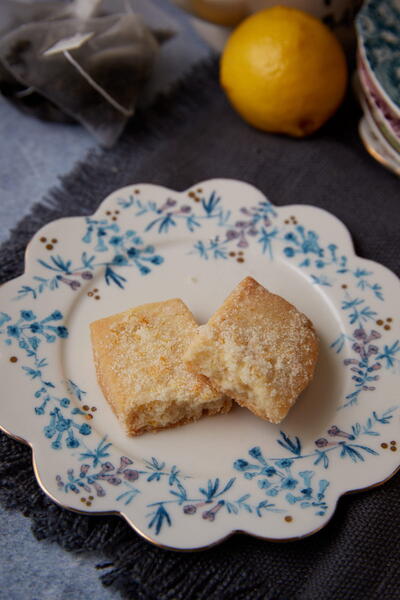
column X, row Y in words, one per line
column 284, row 71
column 221, row 12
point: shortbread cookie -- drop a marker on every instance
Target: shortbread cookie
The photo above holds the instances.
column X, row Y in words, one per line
column 138, row 357
column 258, row 349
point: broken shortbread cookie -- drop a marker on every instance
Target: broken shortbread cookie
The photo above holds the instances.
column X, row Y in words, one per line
column 138, row 357
column 258, row 349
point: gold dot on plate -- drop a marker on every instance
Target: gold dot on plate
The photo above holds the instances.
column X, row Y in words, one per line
column 54, row 241
column 137, row 191
column 232, row 253
column 95, row 290
column 83, row 499
column 90, row 294
column 93, row 409
column 288, row 519
column 97, row 297
column 91, row 498
column 88, row 503
column 393, row 443
column 240, row 260
column 191, row 194
column 240, row 253
column 386, row 327
column 116, row 212
column 43, row 240
column 85, row 407
column 113, row 218
column 13, row 359
column 389, row 319
column 344, row 286
column 49, row 246
column 393, row 448
column 384, row 445
column 199, row 190
column 286, row 221
column 379, row 322
column 89, row 417
column 108, row 212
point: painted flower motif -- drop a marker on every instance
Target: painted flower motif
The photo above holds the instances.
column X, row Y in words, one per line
column 132, row 252
column 321, row 443
column 27, row 315
column 131, row 474
column 85, row 429
column 13, row 331
column 62, row 331
column 208, row 515
column 189, row 509
column 56, row 316
column 289, row 483
column 116, row 240
column 269, row 471
column 241, row 464
column 263, row 484
column 289, row 252
column 334, row 430
column 307, row 492
column 255, row 452
column 119, row 260
column 87, row 275
column 285, row 463
column 157, row 260
column 72, row 443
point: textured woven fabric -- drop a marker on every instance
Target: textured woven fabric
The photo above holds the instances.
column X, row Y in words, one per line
column 188, row 137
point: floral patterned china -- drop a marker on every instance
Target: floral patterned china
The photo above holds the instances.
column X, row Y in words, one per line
column 378, row 28
column 376, row 144
column 387, row 121
column 192, row 486
column 375, row 131
column 378, row 31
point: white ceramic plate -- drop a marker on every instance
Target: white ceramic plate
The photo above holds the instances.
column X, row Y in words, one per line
column 192, row 486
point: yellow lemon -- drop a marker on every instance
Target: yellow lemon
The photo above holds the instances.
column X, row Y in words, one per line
column 284, row 71
column 221, row 12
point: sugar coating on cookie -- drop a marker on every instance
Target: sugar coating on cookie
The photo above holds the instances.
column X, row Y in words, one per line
column 138, row 358
column 258, row 349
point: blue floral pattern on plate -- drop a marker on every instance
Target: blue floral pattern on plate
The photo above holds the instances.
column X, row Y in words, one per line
column 124, row 241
